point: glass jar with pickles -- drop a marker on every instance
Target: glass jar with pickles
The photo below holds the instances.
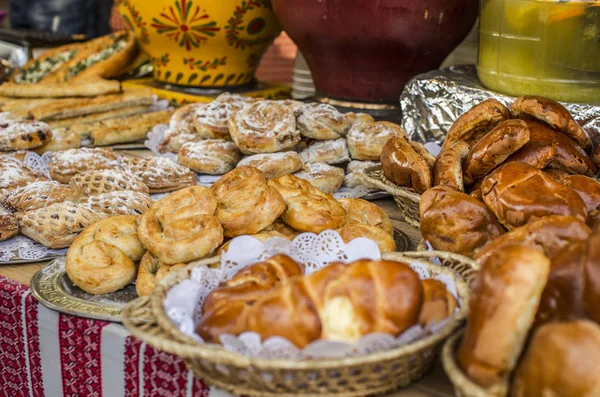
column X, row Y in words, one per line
column 541, row 47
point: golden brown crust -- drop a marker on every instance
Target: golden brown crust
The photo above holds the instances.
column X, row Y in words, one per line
column 596, row 156
column 66, row 164
column 476, row 122
column 124, row 202
column 102, row 258
column 181, row 129
column 587, row 188
column 448, row 167
column 40, row 194
column 570, row 157
column 160, row 174
column 324, row 177
column 550, row 235
column 591, row 274
column 554, row 348
column 182, row 226
column 323, row 122
column 17, row 76
column 83, row 125
column 62, row 139
column 383, row 239
column 555, row 174
column 453, row 221
column 423, row 152
column 128, row 129
column 14, row 173
column 438, row 302
column 536, row 154
column 553, row 114
column 95, row 182
column 212, row 120
column 308, row 208
column 23, row 134
column 264, row 127
column 519, row 193
column 366, row 140
column 403, row 166
column 359, row 211
column 150, row 272
column 273, row 165
column 9, row 226
column 246, row 204
column 495, row 147
column 504, row 299
column 90, row 88
column 211, row 156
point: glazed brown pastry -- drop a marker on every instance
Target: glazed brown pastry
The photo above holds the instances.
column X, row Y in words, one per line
column 519, row 193
column 456, row 222
column 403, row 166
column 504, row 299
column 150, row 272
column 328, row 152
column 96, row 182
column 9, row 226
column 160, row 174
column 553, row 114
column 594, row 218
column 324, row 177
column 476, row 122
column 211, row 156
column 560, row 361
column 182, row 226
column 556, row 174
column 323, row 122
column 23, row 134
column 62, row 139
column 308, row 208
column 570, row 157
column 102, row 259
column 212, row 119
column 551, row 234
column 246, row 204
column 264, row 127
column 363, row 212
column 120, row 203
column 39, row 194
column 339, row 302
column 273, row 165
column 384, row 240
column 587, row 188
column 536, row 154
column 366, row 140
column 57, row 225
column 448, row 167
column 496, row 146
column 591, row 274
column 596, row 156
column 438, row 302
column 66, row 164
column 423, row 152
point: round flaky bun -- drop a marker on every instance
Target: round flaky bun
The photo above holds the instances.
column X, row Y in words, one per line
column 366, row 213
column 562, row 360
column 519, row 193
column 456, row 222
column 403, row 166
column 476, row 122
column 365, row 140
column 384, row 240
column 504, row 299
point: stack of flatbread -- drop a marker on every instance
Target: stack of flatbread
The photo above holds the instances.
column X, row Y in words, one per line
column 68, row 88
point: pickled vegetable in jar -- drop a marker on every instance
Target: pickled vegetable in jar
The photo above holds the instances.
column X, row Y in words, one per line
column 541, row 47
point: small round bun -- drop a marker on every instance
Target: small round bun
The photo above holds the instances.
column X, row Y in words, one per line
column 308, row 208
column 366, row 140
column 273, row 165
column 327, row 178
column 211, row 156
column 363, row 212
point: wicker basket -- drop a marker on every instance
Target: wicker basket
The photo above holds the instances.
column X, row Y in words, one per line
column 406, row 199
column 242, row 375
column 466, row 268
column 463, row 386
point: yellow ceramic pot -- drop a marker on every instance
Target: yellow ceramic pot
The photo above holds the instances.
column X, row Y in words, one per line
column 202, row 43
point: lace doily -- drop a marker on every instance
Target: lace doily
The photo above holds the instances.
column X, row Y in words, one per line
column 21, row 248
column 183, row 303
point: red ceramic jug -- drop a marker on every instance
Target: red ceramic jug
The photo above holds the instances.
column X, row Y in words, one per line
column 366, row 50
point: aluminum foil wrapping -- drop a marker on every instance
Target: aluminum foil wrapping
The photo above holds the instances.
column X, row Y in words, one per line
column 432, row 101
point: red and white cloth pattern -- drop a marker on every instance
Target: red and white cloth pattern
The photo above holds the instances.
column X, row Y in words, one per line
column 44, row 353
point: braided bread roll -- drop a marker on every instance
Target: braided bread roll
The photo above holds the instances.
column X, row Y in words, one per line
column 264, row 127
column 246, row 204
column 150, row 273
column 339, row 302
column 308, row 208
column 182, row 227
column 102, row 258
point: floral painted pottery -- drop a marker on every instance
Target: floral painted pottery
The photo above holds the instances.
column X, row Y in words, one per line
column 365, row 50
column 202, row 43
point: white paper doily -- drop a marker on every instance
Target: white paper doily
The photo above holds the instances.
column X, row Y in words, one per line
column 183, row 303
column 21, row 248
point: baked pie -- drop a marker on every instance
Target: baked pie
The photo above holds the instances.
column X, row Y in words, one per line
column 66, row 164
column 40, row 194
column 120, row 203
column 103, row 181
column 160, row 174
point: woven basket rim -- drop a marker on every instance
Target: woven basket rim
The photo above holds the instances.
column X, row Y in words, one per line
column 445, row 255
column 375, row 176
column 457, row 377
column 176, row 342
